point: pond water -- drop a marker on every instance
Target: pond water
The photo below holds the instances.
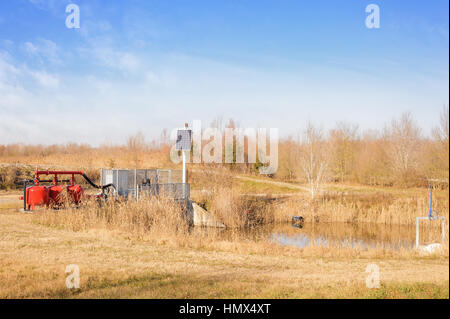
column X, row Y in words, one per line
column 363, row 236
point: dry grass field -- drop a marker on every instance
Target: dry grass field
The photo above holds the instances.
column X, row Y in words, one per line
column 129, row 250
column 117, row 260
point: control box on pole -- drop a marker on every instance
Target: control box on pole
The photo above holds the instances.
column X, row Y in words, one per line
column 183, row 144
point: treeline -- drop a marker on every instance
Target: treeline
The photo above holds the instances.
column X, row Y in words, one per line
column 18, row 161
column 136, row 153
column 400, row 154
column 19, row 150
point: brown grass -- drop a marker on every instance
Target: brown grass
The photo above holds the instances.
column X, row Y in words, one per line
column 145, row 249
column 161, row 221
column 114, row 264
column 158, row 218
column 381, row 208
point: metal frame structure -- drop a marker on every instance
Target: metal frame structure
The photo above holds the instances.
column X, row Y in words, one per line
column 430, row 217
column 152, row 182
column 418, row 219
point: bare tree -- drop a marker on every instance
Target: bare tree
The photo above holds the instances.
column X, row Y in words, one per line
column 343, row 139
column 288, row 159
column 441, row 133
column 164, row 138
column 404, row 139
column 313, row 158
column 441, row 151
column 136, row 145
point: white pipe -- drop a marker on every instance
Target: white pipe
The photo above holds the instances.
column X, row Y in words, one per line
column 184, row 166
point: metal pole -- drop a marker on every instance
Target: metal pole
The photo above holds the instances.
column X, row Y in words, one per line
column 184, row 175
column 431, row 201
column 184, row 167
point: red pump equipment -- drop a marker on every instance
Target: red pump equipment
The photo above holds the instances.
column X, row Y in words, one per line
column 56, row 194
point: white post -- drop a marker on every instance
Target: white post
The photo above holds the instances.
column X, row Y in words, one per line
column 183, row 147
column 184, row 166
column 184, row 175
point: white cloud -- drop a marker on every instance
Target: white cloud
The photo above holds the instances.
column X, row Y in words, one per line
column 14, row 76
column 164, row 79
column 165, row 91
column 91, row 28
column 30, row 48
column 7, row 43
column 7, row 69
column 45, row 79
column 44, row 50
column 126, row 62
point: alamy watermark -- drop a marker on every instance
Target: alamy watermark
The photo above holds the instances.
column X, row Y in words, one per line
column 238, row 142
column 373, row 279
column 73, row 279
column 373, row 19
column 73, row 19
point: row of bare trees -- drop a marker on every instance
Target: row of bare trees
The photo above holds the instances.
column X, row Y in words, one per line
column 399, row 154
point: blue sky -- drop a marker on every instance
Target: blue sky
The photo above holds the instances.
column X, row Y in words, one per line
column 149, row 65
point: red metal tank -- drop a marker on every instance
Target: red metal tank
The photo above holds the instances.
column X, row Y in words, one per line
column 37, row 195
column 55, row 194
column 75, row 192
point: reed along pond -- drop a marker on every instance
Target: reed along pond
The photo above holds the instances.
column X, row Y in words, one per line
column 362, row 236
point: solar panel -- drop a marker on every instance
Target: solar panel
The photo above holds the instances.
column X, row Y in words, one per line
column 183, row 140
